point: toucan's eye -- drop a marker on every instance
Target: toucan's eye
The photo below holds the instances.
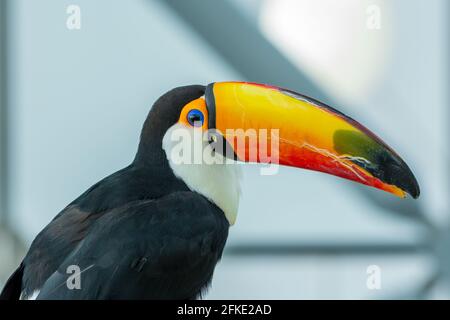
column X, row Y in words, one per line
column 195, row 118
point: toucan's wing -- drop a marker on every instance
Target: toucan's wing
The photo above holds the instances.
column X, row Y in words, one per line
column 57, row 241
column 164, row 248
column 13, row 286
column 48, row 250
column 53, row 245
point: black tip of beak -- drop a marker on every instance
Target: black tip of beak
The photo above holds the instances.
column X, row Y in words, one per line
column 397, row 172
column 391, row 169
column 383, row 163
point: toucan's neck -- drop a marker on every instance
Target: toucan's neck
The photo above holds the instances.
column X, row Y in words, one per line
column 152, row 165
column 150, row 153
column 217, row 182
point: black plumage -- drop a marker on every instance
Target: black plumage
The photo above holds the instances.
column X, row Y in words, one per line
column 139, row 233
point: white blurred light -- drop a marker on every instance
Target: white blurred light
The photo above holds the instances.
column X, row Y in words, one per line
column 335, row 42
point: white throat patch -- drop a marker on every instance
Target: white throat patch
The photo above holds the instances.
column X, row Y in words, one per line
column 207, row 173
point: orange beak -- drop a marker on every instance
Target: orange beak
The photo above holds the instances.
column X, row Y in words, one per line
column 307, row 133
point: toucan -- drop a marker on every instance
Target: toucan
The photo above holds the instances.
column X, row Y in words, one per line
column 157, row 228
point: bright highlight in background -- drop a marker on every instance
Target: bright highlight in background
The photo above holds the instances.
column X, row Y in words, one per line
column 343, row 45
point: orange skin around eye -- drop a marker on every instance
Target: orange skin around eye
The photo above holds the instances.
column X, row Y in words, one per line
column 198, row 104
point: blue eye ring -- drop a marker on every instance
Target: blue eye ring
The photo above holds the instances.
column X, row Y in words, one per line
column 195, row 118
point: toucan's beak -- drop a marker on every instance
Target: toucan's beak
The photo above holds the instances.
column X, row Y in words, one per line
column 311, row 135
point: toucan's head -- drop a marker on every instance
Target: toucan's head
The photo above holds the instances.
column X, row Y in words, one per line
column 307, row 133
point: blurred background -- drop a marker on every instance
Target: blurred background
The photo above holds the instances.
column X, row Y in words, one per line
column 73, row 101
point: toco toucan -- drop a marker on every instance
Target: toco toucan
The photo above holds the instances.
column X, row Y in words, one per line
column 157, row 228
